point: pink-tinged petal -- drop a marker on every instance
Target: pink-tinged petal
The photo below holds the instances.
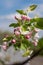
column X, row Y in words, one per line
column 4, row 47
column 5, row 43
column 25, row 17
column 35, row 43
column 18, row 28
column 13, row 41
column 28, row 18
column 36, row 30
column 17, row 33
column 36, row 35
column 17, row 17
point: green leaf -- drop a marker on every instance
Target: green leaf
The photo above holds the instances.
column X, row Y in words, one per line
column 32, row 7
column 39, row 23
column 40, row 43
column 26, row 53
column 14, row 25
column 9, row 38
column 22, row 47
column 33, row 20
column 26, row 43
column 21, row 12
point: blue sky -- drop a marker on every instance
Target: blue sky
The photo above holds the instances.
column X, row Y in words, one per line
column 8, row 10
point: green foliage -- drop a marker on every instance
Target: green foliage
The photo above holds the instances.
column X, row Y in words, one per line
column 32, row 7
column 39, row 23
column 40, row 42
column 21, row 12
column 14, row 25
column 9, row 38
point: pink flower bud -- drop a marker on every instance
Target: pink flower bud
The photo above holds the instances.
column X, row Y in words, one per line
column 13, row 41
column 35, row 43
column 16, row 18
column 5, row 43
column 15, row 29
column 4, row 47
column 17, row 33
column 28, row 18
column 27, row 36
column 18, row 28
column 25, row 17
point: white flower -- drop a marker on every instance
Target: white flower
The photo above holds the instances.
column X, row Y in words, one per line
column 36, row 36
column 36, row 29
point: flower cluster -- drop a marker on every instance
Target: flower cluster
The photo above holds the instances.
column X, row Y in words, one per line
column 25, row 34
column 20, row 32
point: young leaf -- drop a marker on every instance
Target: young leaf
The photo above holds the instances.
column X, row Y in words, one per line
column 21, row 12
column 9, row 38
column 26, row 53
column 32, row 7
column 40, row 42
column 14, row 25
column 39, row 23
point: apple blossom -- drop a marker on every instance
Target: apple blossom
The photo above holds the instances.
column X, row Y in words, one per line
column 25, row 18
column 15, row 29
column 27, row 36
column 13, row 41
column 4, row 43
column 17, row 33
column 35, row 43
column 18, row 28
column 4, row 47
column 18, row 17
column 36, row 36
column 36, row 30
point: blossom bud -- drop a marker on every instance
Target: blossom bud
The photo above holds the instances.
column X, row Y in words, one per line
column 15, row 29
column 18, row 17
column 18, row 28
column 5, row 43
column 17, row 33
column 25, row 17
column 4, row 47
column 13, row 41
column 27, row 36
column 35, row 43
